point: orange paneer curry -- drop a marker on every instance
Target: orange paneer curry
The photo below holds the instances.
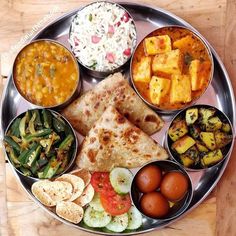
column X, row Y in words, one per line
column 171, row 68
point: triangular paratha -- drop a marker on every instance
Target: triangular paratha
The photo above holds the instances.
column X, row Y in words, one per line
column 114, row 141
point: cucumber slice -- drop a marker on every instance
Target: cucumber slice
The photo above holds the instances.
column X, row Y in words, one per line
column 96, row 203
column 96, row 219
column 135, row 218
column 121, row 179
column 118, row 223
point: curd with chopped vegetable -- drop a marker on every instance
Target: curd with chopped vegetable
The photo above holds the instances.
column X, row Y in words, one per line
column 45, row 73
column 103, row 36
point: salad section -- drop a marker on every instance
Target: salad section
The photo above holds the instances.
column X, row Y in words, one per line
column 79, row 196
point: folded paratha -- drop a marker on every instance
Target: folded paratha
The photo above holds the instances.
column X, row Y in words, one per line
column 114, row 90
column 114, row 141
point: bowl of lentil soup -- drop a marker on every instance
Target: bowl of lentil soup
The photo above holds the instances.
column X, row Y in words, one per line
column 46, row 74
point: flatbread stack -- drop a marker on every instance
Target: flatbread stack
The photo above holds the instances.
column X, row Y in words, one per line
column 68, row 193
column 114, row 141
column 116, row 91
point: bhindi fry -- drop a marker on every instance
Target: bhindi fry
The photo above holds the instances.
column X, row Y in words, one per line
column 39, row 144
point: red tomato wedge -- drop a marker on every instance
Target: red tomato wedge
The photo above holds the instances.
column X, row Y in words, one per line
column 115, row 204
column 101, row 183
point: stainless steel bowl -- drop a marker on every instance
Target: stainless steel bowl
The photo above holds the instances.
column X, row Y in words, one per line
column 153, row 33
column 179, row 207
column 75, row 145
column 226, row 150
column 77, row 88
column 103, row 74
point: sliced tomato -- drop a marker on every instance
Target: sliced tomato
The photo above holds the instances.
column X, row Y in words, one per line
column 101, row 183
column 115, row 204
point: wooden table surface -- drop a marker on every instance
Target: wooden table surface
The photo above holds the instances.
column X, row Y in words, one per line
column 215, row 19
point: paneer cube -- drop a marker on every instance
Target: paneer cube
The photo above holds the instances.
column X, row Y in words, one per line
column 142, row 70
column 159, row 88
column 204, row 73
column 180, row 89
column 199, row 73
column 183, row 42
column 168, row 63
column 157, row 44
column 193, row 71
column 183, row 144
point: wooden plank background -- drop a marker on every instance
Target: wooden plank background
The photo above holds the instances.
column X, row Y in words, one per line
column 215, row 19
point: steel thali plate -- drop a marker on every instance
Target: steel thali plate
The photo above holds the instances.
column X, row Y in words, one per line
column 219, row 94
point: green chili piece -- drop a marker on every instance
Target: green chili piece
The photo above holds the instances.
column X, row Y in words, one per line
column 13, row 157
column 22, row 126
column 14, row 130
column 28, row 155
column 58, row 124
column 51, row 168
column 32, row 157
column 25, row 171
column 37, row 134
column 66, row 143
column 31, row 123
column 47, row 118
column 38, row 121
column 52, row 70
column 12, row 143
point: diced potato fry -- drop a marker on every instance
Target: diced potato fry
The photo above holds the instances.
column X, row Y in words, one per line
column 226, row 127
column 213, row 124
column 183, row 144
column 209, row 139
column 159, row 88
column 178, row 130
column 212, row 158
column 194, row 75
column 190, row 156
column 222, row 139
column 180, row 89
column 181, row 43
column 205, row 114
column 201, row 147
column 186, row 160
column 168, row 63
column 157, row 44
column 142, row 70
column 194, row 131
column 191, row 115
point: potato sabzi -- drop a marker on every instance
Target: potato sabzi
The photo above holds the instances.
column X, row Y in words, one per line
column 171, row 68
column 199, row 137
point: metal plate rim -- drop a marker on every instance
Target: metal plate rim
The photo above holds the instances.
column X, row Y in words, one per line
column 178, row 19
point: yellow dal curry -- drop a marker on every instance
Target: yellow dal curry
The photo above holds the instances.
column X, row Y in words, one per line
column 45, row 73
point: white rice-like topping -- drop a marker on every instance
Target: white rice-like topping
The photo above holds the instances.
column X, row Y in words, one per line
column 103, row 36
